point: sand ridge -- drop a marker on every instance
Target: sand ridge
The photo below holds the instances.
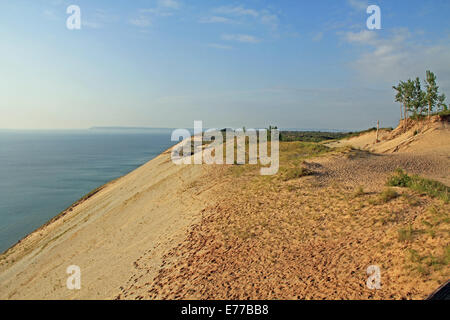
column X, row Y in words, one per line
column 148, row 210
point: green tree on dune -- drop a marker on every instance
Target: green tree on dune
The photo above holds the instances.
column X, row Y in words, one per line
column 441, row 103
column 408, row 89
column 399, row 97
column 413, row 99
column 418, row 98
column 431, row 96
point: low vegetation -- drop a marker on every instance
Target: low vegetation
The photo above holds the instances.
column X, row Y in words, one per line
column 431, row 226
column 359, row 192
column 430, row 187
column 387, row 195
column 406, row 234
column 295, row 173
column 290, row 151
column 311, row 136
column 319, row 136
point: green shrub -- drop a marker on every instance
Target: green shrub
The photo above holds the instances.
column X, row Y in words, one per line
column 432, row 188
column 399, row 179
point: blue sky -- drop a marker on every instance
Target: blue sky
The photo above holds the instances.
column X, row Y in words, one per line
column 166, row 63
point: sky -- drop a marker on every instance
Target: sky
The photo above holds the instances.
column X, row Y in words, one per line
column 165, row 63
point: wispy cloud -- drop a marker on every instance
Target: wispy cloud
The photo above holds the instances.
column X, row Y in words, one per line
column 171, row 4
column 244, row 16
column 318, row 36
column 358, row 4
column 400, row 55
column 216, row 19
column 141, row 21
column 236, row 10
column 362, row 37
column 244, row 38
column 98, row 19
column 269, row 19
column 219, row 46
column 226, row 14
column 163, row 8
column 342, row 20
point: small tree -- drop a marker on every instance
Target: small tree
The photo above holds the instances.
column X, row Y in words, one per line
column 413, row 99
column 418, row 99
column 441, row 102
column 431, row 96
column 399, row 97
column 408, row 89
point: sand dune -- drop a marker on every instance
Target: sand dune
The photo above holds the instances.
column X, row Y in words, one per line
column 428, row 140
column 198, row 231
column 148, row 210
column 418, row 137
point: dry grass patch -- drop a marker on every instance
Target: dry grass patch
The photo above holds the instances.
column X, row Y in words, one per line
column 387, row 195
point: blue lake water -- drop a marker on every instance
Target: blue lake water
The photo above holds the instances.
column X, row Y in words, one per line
column 44, row 172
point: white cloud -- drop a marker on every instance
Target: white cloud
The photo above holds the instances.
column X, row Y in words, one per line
column 98, row 19
column 318, row 36
column 399, row 56
column 269, row 19
column 172, row 4
column 238, row 11
column 242, row 14
column 216, row 19
column 164, row 8
column 363, row 37
column 141, row 22
column 245, row 38
column 358, row 4
column 156, row 12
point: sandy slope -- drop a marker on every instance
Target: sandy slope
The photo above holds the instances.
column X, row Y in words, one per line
column 148, row 210
column 314, row 237
column 419, row 137
column 426, row 142
column 166, row 231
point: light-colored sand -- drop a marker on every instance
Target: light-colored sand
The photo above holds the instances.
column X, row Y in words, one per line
column 147, row 211
column 419, row 137
column 166, row 231
column 314, row 237
column 420, row 145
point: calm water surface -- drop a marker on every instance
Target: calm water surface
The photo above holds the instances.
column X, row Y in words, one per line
column 44, row 172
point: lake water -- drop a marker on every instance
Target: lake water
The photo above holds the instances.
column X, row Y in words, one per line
column 44, row 172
